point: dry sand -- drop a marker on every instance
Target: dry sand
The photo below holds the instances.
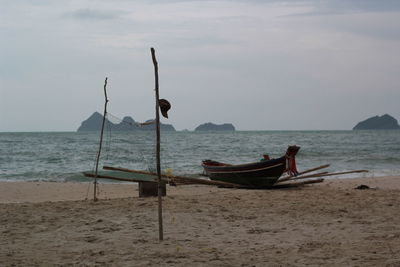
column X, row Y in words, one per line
column 328, row 224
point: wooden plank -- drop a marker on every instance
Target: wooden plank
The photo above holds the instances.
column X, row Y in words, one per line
column 92, row 175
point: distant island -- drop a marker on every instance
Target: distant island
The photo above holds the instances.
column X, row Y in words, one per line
column 215, row 127
column 385, row 122
column 93, row 123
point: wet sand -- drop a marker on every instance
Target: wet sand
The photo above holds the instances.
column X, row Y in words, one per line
column 327, row 224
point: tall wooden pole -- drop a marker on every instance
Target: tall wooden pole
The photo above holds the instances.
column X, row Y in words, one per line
column 158, row 147
column 101, row 141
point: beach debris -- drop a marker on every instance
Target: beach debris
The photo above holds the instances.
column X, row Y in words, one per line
column 362, row 187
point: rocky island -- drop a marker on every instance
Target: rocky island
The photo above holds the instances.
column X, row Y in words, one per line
column 93, row 123
column 215, row 127
column 385, row 122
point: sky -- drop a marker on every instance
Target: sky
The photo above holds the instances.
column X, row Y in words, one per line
column 260, row 65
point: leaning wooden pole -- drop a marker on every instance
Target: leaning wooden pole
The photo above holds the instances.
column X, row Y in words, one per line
column 289, row 177
column 101, row 142
column 158, row 147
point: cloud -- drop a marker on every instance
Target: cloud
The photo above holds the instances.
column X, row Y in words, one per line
column 347, row 7
column 321, row 6
column 94, row 14
column 249, row 53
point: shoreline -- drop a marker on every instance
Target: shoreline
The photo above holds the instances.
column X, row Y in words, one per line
column 36, row 192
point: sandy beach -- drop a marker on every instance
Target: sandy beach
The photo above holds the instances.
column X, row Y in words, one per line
column 327, row 224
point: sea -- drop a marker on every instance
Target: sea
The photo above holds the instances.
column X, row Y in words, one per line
column 63, row 156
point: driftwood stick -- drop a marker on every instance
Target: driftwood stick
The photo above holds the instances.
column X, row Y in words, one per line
column 128, row 170
column 101, row 140
column 304, row 172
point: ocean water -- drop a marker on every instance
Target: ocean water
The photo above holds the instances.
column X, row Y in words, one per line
column 63, row 156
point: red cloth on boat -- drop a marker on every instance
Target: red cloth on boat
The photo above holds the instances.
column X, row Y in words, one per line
column 291, row 167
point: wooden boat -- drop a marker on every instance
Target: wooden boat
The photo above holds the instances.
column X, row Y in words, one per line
column 260, row 174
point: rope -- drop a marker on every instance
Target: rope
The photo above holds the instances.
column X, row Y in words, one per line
column 90, row 184
column 141, row 148
column 137, row 124
column 108, row 142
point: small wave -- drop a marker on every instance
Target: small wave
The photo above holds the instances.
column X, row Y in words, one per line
column 63, row 156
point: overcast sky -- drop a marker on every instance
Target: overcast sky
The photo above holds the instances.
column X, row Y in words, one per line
column 266, row 65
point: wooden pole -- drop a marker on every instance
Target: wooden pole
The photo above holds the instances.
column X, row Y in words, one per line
column 100, row 176
column 101, row 142
column 340, row 173
column 158, row 147
column 177, row 179
column 180, row 180
column 303, row 172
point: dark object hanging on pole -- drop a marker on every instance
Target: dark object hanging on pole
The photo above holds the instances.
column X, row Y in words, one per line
column 101, row 142
column 158, row 159
column 164, row 107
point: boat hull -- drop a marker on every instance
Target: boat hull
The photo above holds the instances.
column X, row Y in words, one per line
column 258, row 174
